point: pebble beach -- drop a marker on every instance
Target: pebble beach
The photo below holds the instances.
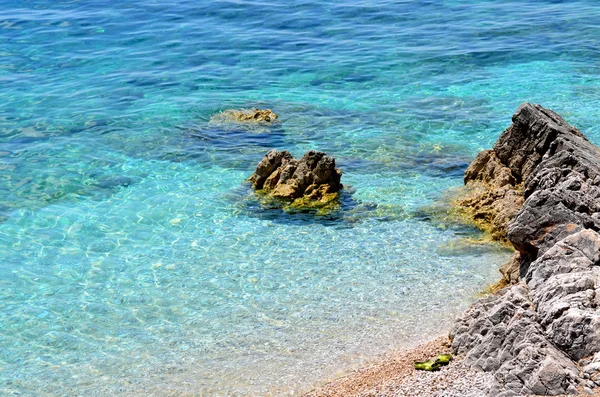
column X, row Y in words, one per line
column 394, row 376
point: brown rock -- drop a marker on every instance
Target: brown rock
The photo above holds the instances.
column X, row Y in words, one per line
column 490, row 207
column 511, row 270
column 269, row 164
column 311, row 182
column 286, row 191
column 492, row 197
column 488, row 168
column 272, row 179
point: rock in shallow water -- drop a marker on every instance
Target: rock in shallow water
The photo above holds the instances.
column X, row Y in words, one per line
column 535, row 335
column 493, row 197
column 311, row 182
column 252, row 116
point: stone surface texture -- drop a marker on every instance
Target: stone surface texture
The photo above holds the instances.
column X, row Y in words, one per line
column 542, row 335
column 310, row 182
column 493, row 195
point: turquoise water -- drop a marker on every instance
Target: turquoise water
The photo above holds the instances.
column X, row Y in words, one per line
column 135, row 260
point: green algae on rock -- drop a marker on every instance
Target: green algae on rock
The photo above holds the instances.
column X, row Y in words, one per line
column 433, row 364
column 311, row 183
column 492, row 197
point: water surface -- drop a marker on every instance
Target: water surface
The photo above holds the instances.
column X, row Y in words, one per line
column 135, row 259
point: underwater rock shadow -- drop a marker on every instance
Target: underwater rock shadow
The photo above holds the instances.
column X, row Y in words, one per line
column 467, row 239
column 27, row 134
column 45, row 190
column 450, row 110
column 247, row 203
column 442, row 215
column 265, row 137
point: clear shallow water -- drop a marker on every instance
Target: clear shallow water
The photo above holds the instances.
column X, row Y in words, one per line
column 134, row 260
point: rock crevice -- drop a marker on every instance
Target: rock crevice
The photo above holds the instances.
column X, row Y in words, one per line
column 539, row 188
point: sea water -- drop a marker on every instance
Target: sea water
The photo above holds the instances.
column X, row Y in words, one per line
column 135, row 259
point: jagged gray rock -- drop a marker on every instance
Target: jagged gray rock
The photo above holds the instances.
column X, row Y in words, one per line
column 561, row 173
column 564, row 287
column 534, row 335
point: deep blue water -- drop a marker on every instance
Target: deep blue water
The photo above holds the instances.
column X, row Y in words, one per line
column 135, row 261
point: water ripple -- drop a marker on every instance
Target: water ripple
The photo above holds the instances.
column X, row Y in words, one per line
column 135, row 259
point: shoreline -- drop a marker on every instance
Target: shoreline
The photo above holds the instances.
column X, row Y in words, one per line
column 539, row 190
column 393, row 375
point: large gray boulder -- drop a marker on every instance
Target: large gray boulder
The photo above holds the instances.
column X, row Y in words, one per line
column 560, row 169
column 502, row 334
column 535, row 335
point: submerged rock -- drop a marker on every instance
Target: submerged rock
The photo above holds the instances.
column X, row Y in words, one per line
column 310, row 182
column 536, row 335
column 246, row 116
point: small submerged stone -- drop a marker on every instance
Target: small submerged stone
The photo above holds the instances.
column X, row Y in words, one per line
column 108, row 182
column 312, row 182
column 245, row 116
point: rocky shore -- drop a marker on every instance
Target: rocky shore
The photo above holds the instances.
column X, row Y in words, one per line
column 542, row 335
column 393, row 375
column 539, row 190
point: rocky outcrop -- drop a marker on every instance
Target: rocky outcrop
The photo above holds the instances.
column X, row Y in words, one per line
column 533, row 334
column 245, row 116
column 536, row 335
column 310, row 182
column 493, row 195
